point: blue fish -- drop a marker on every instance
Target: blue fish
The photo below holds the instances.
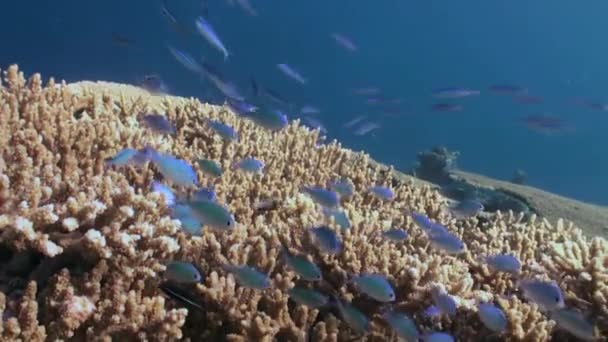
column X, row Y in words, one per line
column 339, row 216
column 421, row 220
column 547, row 295
column 307, row 297
column 249, row 277
column 342, row 186
column 323, row 197
column 185, row 59
column 227, row 88
column 492, row 317
column 210, row 168
column 309, row 110
column 223, row 130
column 435, row 336
column 211, row 214
column 395, row 234
column 207, row 31
column 241, row 107
column 122, row 158
column 250, row 165
column 376, row 286
column 204, row 194
column 382, row 192
column 315, row 124
column 176, row 170
column 454, row 93
column 467, row 208
column 444, row 302
column 326, row 240
column 166, row 192
column 189, row 223
column 182, row 272
column 353, row 317
column 291, row 73
column 403, row 326
column 503, row 263
column 158, row 123
column 302, row 266
column 273, row 120
column 574, row 322
column 448, row 243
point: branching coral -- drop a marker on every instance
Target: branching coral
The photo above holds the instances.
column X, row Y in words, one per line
column 95, row 238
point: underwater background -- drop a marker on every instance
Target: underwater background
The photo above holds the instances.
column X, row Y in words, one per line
column 407, row 49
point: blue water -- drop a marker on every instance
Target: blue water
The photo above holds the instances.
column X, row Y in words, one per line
column 556, row 49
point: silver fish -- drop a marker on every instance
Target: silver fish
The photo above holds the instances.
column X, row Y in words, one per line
column 207, row 31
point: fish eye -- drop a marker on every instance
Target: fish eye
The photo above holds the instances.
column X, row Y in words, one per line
column 557, row 299
column 228, row 223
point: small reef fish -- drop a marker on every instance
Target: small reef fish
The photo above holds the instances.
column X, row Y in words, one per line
column 309, row 110
column 448, row 243
column 227, row 88
column 182, row 272
column 547, row 295
column 273, row 120
column 354, row 121
column 207, row 31
column 492, row 317
column 250, row 165
column 421, row 220
column 503, row 263
column 574, row 322
column 185, row 215
column 326, row 240
column 435, row 336
column 154, row 84
column 382, row 192
column 467, row 208
column 366, row 128
column 339, row 217
column 178, row 294
column 210, row 168
column 247, row 7
column 436, row 229
column 323, row 197
column 158, row 123
column 204, row 194
column 546, row 124
column 123, row 158
column 306, row 269
column 344, row 41
column 211, row 214
column 447, row 107
column 395, row 234
column 403, row 326
column 241, row 106
column 314, row 124
column 454, row 93
column 185, row 59
column 248, row 276
column 291, row 73
column 176, row 170
column 444, row 302
column 307, row 297
column 166, row 192
column 355, row 319
column 342, row 186
column 376, row 286
column 223, row 130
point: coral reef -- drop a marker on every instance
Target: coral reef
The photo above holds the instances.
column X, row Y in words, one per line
column 83, row 246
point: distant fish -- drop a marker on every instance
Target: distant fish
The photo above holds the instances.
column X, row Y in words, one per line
column 323, row 197
column 123, row 158
column 307, row 109
column 591, row 105
column 448, row 243
column 307, row 297
column 339, row 216
column 503, row 263
column 574, row 322
column 273, row 120
column 154, row 84
column 207, row 31
column 122, row 40
column 223, row 130
column 241, row 106
column 249, row 277
column 395, row 234
column 226, row 87
column 507, row 89
column 291, row 73
column 315, row 124
column 250, row 165
column 354, row 121
column 158, row 123
column 492, row 317
column 467, row 208
column 444, row 302
column 185, row 59
column 182, row 272
column 366, row 127
column 545, row 124
column 306, row 269
column 547, row 295
column 447, row 107
column 176, row 170
column 342, row 186
column 165, row 191
column 355, row 319
column 326, row 240
column 382, row 192
column 344, row 41
column 435, row 336
column 247, row 7
column 455, row 93
column 376, row 286
column 210, row 168
column 403, row 326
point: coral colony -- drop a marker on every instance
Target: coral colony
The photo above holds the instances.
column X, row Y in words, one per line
column 123, row 217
